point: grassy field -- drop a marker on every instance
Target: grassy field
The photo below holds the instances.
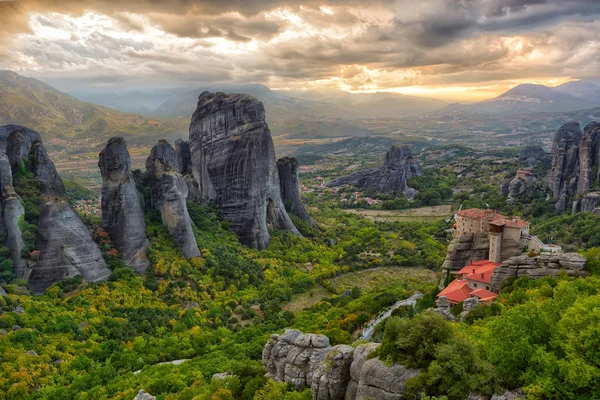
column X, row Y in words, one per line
column 367, row 280
column 422, row 214
column 303, row 301
column 381, row 278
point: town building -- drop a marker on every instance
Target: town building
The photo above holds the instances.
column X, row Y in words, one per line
column 503, row 232
column 474, row 280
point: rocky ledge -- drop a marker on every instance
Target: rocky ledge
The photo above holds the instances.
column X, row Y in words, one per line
column 539, row 266
column 398, row 167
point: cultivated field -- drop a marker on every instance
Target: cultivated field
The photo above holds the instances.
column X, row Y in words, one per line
column 422, row 214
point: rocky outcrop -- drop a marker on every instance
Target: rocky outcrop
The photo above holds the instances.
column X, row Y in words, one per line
column 330, row 380
column 575, row 157
column 361, row 354
column 64, row 245
column 398, row 167
column 122, row 214
column 333, row 373
column 532, row 156
column 294, row 357
column 589, row 157
column 378, row 381
column 143, row 395
column 290, row 188
column 442, row 307
column 562, row 177
column 466, row 247
column 64, row 242
column 587, row 203
column 169, row 194
column 519, row 185
column 233, row 165
column 538, row 266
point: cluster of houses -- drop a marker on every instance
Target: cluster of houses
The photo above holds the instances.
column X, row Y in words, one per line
column 91, row 207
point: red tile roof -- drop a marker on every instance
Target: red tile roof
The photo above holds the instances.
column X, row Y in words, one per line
column 477, row 213
column 483, row 294
column 457, row 291
column 479, row 271
column 483, row 273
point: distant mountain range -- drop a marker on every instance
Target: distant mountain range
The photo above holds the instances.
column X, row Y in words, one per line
column 69, row 124
column 296, row 104
column 530, row 98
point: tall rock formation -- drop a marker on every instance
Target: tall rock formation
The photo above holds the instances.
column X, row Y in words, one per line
column 290, row 188
column 169, row 194
column 575, row 162
column 562, row 177
column 589, row 157
column 64, row 243
column 233, row 164
column 398, row 167
column 122, row 214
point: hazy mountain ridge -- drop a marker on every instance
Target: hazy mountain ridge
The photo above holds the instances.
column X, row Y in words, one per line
column 68, row 123
column 532, row 98
column 282, row 104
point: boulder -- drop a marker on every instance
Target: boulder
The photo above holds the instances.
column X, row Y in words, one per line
column 142, row 395
column 290, row 188
column 378, row 381
column 169, row 194
column 122, row 214
column 233, row 165
column 398, row 167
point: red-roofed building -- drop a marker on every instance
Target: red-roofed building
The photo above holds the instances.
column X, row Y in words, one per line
column 472, row 281
column 502, row 231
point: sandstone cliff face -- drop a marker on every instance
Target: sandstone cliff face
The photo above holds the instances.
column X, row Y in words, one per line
column 290, row 188
column 122, row 214
column 233, row 164
column 64, row 242
column 463, row 248
column 538, row 267
column 65, row 245
column 398, row 167
column 589, row 156
column 169, row 194
column 562, row 178
column 574, row 158
column 11, row 211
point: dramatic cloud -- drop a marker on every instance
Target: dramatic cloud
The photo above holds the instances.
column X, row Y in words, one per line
column 426, row 47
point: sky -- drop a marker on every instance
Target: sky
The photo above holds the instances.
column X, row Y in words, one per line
column 454, row 50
